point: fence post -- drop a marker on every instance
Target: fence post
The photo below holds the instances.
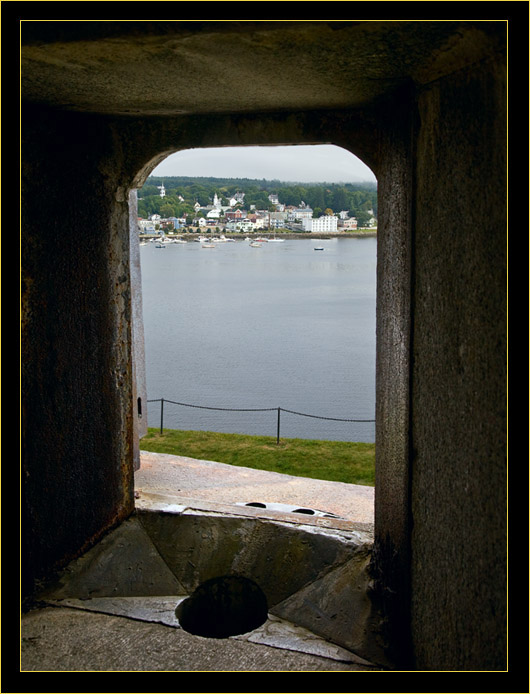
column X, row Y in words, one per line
column 161, row 416
column 278, row 429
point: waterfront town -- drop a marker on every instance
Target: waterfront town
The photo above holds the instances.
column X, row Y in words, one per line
column 234, row 218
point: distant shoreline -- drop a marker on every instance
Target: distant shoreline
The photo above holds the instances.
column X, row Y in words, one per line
column 364, row 233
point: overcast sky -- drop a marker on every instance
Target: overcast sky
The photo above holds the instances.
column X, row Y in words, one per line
column 304, row 163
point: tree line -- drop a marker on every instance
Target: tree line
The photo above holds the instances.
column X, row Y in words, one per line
column 183, row 192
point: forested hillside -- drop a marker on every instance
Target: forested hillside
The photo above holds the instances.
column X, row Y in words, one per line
column 183, row 192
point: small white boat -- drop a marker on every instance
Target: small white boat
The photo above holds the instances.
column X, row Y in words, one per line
column 208, row 245
column 160, row 245
column 275, row 240
column 255, row 244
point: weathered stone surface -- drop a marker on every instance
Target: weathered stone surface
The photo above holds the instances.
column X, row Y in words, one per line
column 124, row 563
column 275, row 632
column 192, row 480
column 329, row 64
column 146, row 608
column 459, row 434
column 280, row 558
column 74, row 640
column 281, row 633
column 139, row 385
column 126, row 575
column 338, row 607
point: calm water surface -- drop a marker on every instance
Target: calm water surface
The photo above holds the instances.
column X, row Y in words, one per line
column 281, row 325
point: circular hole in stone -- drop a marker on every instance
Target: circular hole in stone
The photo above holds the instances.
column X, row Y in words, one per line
column 307, row 511
column 222, row 607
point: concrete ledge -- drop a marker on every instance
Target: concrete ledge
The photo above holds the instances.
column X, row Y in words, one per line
column 169, row 503
column 213, row 482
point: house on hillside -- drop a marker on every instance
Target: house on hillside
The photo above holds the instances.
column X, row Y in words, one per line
column 259, row 221
column 240, row 225
column 235, row 214
column 302, row 212
column 236, row 199
column 347, row 224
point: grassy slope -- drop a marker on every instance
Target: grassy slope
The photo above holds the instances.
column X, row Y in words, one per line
column 325, row 460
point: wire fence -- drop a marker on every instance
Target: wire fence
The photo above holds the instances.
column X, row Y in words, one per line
column 279, row 410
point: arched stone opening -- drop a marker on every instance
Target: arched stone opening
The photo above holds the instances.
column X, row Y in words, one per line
column 365, row 428
column 319, row 583
column 138, row 155
column 370, row 144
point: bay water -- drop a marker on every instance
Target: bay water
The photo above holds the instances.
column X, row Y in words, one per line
column 282, row 325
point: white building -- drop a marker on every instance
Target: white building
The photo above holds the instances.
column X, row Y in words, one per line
column 350, row 223
column 146, row 226
column 243, row 225
column 302, row 212
column 327, row 224
column 237, row 198
column 278, row 219
column 261, row 221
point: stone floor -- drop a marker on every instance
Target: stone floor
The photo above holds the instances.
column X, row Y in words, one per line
column 129, row 637
column 65, row 639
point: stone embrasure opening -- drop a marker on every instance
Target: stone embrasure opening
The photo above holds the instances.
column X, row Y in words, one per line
column 222, row 607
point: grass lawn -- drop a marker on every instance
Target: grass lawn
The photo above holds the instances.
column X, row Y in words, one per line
column 338, row 461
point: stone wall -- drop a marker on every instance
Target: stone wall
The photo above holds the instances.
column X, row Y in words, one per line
column 76, row 342
column 459, row 447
